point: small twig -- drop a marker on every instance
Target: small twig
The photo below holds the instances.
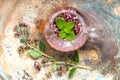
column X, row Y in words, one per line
column 69, row 64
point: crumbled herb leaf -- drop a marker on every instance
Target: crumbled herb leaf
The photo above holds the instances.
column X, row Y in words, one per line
column 72, row 72
column 62, row 34
column 60, row 23
column 54, row 66
column 42, row 46
column 22, row 40
column 34, row 54
column 76, row 57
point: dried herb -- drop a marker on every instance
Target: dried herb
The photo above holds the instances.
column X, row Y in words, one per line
column 21, row 31
column 72, row 72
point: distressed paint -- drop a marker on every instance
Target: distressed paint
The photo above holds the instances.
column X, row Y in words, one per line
column 103, row 12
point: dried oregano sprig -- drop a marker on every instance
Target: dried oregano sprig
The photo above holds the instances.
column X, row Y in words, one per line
column 37, row 53
column 22, row 33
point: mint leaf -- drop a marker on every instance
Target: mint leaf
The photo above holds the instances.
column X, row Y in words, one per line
column 22, row 40
column 72, row 71
column 70, row 25
column 54, row 66
column 62, row 34
column 60, row 23
column 76, row 57
column 70, row 35
column 42, row 46
column 68, row 38
column 34, row 54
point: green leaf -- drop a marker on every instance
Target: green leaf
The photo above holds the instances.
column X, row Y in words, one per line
column 52, row 59
column 54, row 66
column 76, row 57
column 42, row 46
column 62, row 34
column 34, row 54
column 72, row 71
column 70, row 36
column 22, row 40
column 60, row 23
column 70, row 25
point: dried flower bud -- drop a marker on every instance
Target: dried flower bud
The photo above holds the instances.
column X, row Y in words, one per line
column 37, row 66
column 44, row 60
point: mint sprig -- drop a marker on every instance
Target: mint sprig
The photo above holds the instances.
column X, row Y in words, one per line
column 66, row 31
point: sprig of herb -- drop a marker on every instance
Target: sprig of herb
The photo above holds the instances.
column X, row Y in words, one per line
column 75, row 60
column 40, row 52
column 37, row 53
column 66, row 31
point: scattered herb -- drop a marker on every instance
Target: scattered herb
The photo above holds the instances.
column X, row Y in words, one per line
column 42, row 46
column 37, row 66
column 44, row 60
column 66, row 29
column 34, row 54
column 72, row 72
column 21, row 31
